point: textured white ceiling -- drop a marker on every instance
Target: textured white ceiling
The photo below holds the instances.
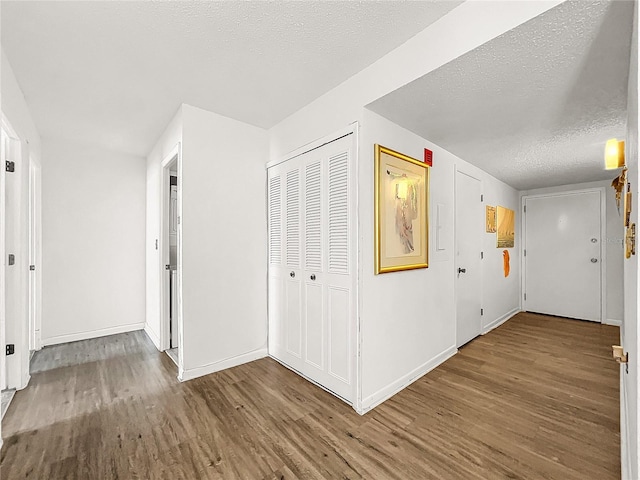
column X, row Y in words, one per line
column 113, row 73
column 534, row 106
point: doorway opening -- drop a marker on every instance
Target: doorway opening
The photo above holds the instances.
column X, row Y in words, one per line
column 170, row 258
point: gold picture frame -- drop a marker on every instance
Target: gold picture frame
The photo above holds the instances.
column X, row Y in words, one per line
column 490, row 215
column 401, row 212
column 506, row 220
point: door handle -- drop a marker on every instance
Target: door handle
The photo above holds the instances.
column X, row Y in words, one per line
column 462, row 270
column 594, row 260
column 313, row 276
column 292, row 274
column 167, row 267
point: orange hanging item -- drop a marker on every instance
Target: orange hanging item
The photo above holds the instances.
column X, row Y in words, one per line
column 505, row 261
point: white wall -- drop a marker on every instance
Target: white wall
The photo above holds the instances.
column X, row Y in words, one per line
column 500, row 294
column 629, row 408
column 466, row 27
column 93, row 211
column 427, row 334
column 224, row 235
column 15, row 109
column 408, row 319
column 614, row 243
column 165, row 144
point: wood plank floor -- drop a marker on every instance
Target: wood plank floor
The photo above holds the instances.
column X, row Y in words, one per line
column 536, row 398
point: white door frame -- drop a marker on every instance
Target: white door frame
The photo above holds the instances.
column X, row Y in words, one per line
column 3, row 252
column 356, row 366
column 163, row 246
column 17, row 369
column 35, row 255
column 603, row 235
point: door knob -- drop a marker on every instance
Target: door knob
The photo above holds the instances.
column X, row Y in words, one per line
column 594, row 260
column 313, row 276
column 462, row 270
column 292, row 274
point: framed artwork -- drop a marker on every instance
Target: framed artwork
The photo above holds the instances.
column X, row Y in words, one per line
column 506, row 227
column 401, row 212
column 490, row 219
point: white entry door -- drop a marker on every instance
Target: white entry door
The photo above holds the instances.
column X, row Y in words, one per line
column 563, row 255
column 469, row 227
column 312, row 233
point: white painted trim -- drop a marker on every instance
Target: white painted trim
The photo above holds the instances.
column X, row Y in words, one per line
column 16, row 370
column 611, row 321
column 103, row 332
column 499, row 321
column 34, row 279
column 163, row 247
column 24, row 383
column 390, row 390
column 165, row 189
column 332, row 137
column 153, row 336
column 603, row 254
column 192, row 373
column 625, row 457
column 358, row 274
column 603, row 235
column 3, row 210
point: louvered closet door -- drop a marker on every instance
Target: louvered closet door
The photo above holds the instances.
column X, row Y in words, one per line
column 312, row 266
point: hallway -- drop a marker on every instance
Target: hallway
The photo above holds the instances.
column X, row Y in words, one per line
column 535, row 398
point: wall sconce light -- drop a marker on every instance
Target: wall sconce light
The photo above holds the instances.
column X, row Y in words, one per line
column 614, row 154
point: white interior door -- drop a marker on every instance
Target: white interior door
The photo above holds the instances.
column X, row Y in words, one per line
column 469, row 228
column 12, row 262
column 3, row 251
column 563, row 255
column 312, row 230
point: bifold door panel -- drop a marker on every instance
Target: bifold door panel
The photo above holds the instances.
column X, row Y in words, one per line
column 312, row 267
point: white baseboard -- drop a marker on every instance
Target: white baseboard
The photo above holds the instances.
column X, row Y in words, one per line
column 611, row 321
column 153, row 336
column 102, row 332
column 192, row 373
column 625, row 457
column 25, row 382
column 390, row 390
column 499, row 321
